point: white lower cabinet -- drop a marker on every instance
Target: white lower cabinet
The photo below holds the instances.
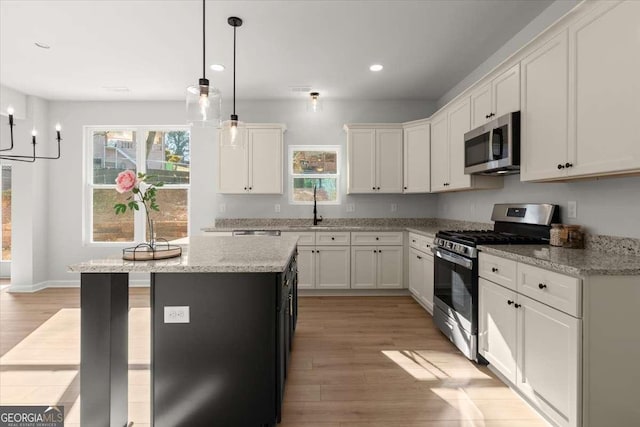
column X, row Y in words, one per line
column 376, row 267
column 421, row 277
column 497, row 327
column 325, row 266
column 548, row 359
column 332, row 267
column 534, row 346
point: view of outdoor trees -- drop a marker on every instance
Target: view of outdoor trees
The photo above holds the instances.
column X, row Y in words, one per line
column 167, row 159
column 314, row 168
column 6, row 213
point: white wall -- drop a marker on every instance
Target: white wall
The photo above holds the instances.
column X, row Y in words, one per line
column 608, row 206
column 65, row 175
column 30, row 191
column 551, row 14
column 326, row 128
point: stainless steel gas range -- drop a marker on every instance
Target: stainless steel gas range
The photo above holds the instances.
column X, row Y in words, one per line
column 456, row 266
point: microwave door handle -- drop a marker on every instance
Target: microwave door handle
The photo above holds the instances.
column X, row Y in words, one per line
column 456, row 259
column 501, row 144
column 490, row 145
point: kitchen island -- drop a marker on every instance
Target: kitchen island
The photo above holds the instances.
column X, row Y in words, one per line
column 222, row 321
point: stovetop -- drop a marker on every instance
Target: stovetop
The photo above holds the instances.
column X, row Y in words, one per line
column 487, row 237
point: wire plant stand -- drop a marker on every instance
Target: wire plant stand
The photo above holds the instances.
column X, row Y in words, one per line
column 156, row 248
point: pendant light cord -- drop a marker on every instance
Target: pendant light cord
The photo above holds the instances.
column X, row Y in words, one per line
column 203, row 41
column 234, row 70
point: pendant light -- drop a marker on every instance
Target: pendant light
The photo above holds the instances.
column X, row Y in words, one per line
column 232, row 128
column 314, row 105
column 203, row 101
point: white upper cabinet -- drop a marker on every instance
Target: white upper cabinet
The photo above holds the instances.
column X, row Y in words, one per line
column 459, row 124
column 447, row 152
column 255, row 168
column 581, row 96
column 544, row 117
column 439, row 153
column 374, row 159
column 496, row 98
column 417, row 159
column 604, row 48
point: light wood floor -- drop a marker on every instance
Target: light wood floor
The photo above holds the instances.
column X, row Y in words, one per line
column 357, row 361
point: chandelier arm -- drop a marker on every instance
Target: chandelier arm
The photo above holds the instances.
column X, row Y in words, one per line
column 11, row 132
column 33, row 158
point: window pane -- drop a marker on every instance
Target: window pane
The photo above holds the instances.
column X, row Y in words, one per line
column 172, row 220
column 6, row 213
column 113, row 152
column 314, row 162
column 168, row 157
column 107, row 227
column 326, row 189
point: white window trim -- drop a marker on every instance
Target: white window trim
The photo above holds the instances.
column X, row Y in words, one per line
column 292, row 175
column 139, row 217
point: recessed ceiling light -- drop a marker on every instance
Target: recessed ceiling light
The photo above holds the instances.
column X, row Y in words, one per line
column 376, row 67
column 217, row 67
column 42, row 45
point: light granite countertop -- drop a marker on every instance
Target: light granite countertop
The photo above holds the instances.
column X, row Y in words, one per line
column 574, row 262
column 208, row 254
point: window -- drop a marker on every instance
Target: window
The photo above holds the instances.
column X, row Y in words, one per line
column 314, row 166
column 163, row 154
column 5, row 213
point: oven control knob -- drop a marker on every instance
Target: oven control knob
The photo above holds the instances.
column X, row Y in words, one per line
column 464, row 249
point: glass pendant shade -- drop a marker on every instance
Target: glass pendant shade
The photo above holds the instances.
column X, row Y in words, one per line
column 204, row 105
column 233, row 133
column 314, row 104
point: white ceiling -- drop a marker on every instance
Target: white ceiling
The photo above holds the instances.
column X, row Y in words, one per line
column 154, row 47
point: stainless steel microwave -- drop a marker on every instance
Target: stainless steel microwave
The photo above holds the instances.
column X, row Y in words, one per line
column 494, row 148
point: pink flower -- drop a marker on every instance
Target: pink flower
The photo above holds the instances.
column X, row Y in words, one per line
column 125, row 181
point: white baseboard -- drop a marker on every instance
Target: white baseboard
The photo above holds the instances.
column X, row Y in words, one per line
column 66, row 284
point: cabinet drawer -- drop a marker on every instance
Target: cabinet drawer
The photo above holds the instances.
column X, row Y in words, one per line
column 305, row 238
column 376, row 238
column 499, row 270
column 556, row 290
column 420, row 242
column 333, row 238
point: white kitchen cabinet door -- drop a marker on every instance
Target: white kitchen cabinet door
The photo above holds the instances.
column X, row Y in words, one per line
column 233, row 165
column 389, row 160
column 544, row 115
column 265, row 161
column 306, row 267
column 548, row 360
column 416, row 272
column 506, row 92
column 439, row 153
column 497, row 327
column 362, row 161
column 481, row 106
column 459, row 124
column 332, row 267
column 497, row 98
column 363, row 267
column 427, row 295
column 417, row 159
column 605, row 59
column 389, row 267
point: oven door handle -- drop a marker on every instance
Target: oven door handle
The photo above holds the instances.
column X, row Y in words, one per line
column 451, row 257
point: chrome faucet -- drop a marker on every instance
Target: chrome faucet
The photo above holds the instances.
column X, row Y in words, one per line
column 316, row 220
